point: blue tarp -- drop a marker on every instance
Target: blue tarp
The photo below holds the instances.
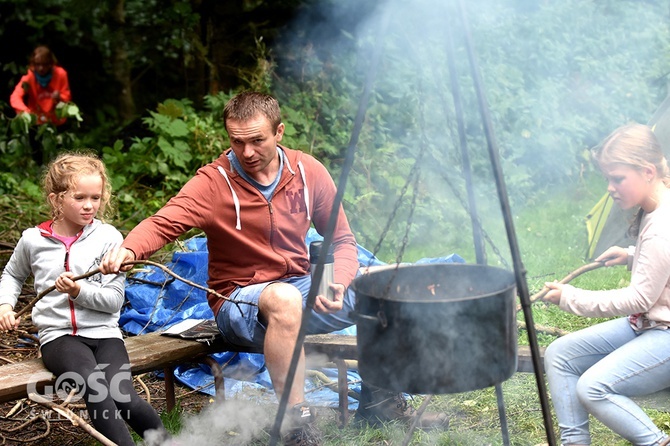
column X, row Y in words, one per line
column 156, row 301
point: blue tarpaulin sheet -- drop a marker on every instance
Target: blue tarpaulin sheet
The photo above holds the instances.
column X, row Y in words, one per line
column 156, row 301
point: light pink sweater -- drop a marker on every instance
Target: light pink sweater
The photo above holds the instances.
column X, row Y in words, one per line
column 649, row 289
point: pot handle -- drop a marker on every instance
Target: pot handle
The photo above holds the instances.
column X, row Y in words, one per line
column 380, row 318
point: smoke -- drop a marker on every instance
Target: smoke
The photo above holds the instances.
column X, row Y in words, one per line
column 557, row 76
column 233, row 422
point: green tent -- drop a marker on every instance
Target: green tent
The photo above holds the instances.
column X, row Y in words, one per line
column 606, row 224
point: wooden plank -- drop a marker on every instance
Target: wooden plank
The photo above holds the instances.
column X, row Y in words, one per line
column 153, row 351
column 332, row 345
column 147, row 353
column 15, row 378
column 525, row 359
column 150, row 352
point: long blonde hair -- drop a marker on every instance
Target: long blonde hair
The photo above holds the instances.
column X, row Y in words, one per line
column 62, row 175
column 636, row 146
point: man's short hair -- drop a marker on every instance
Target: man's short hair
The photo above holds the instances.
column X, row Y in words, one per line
column 249, row 104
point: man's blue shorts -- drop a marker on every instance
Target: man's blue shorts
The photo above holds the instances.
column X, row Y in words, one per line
column 239, row 323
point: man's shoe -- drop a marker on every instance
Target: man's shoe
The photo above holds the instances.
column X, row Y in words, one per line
column 302, row 430
column 377, row 406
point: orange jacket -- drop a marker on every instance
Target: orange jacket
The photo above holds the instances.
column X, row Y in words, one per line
column 249, row 239
column 40, row 100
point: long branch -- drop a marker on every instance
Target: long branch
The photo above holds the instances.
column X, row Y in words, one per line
column 73, row 417
column 32, row 303
column 579, row 271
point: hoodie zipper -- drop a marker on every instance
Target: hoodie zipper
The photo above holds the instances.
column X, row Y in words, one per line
column 46, row 231
column 73, row 317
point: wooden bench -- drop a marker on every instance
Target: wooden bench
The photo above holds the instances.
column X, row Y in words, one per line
column 525, row 359
column 151, row 352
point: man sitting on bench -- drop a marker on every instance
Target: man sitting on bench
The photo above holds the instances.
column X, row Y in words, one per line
column 255, row 204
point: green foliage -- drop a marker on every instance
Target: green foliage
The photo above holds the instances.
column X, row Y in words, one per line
column 68, row 110
column 557, row 76
column 26, row 146
column 553, row 91
column 153, row 168
column 560, row 77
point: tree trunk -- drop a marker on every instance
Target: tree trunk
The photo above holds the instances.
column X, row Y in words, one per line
column 119, row 59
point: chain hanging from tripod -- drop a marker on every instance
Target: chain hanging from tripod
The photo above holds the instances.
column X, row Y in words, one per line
column 405, row 239
column 486, row 236
column 437, row 80
column 413, row 175
column 412, row 179
column 455, row 140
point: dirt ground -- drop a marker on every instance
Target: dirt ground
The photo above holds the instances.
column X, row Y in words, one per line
column 27, row 423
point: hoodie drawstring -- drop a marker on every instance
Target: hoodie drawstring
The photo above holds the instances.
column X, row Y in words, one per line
column 236, row 200
column 306, row 192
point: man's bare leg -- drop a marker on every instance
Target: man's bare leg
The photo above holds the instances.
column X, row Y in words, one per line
column 281, row 306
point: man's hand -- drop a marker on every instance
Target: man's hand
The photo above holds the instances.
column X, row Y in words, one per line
column 8, row 320
column 65, row 284
column 616, row 255
column 115, row 257
column 323, row 305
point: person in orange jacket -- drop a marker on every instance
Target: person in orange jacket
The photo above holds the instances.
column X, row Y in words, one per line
column 42, row 88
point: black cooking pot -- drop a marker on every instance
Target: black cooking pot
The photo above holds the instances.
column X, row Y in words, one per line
column 436, row 328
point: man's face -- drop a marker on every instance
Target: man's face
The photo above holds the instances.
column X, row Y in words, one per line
column 255, row 144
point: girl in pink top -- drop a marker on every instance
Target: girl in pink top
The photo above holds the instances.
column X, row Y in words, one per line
column 596, row 371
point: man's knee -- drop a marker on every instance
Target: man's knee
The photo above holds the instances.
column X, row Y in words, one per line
column 281, row 300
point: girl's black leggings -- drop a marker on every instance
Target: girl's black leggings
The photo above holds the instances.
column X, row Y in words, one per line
column 99, row 370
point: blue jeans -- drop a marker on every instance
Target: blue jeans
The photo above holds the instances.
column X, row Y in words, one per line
column 597, row 370
column 239, row 324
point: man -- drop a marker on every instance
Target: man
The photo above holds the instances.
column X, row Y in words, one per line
column 255, row 204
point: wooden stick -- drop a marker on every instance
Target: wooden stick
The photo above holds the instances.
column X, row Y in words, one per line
column 32, row 303
column 417, row 419
column 544, row 329
column 579, row 271
column 73, row 417
column 21, row 427
column 145, row 387
column 15, row 409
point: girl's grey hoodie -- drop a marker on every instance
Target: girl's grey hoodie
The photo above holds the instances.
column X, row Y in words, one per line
column 95, row 312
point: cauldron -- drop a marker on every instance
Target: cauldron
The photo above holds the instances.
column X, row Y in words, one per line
column 436, row 328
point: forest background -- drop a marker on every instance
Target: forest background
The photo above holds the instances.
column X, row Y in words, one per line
column 149, row 79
